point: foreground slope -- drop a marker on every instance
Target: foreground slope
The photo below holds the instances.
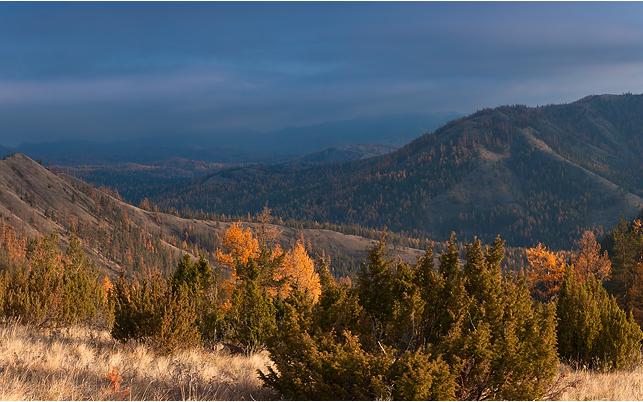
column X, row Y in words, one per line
column 119, row 236
column 530, row 174
column 82, row 364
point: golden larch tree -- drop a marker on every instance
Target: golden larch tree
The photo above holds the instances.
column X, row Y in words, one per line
column 588, row 259
column 546, row 270
column 298, row 271
column 238, row 246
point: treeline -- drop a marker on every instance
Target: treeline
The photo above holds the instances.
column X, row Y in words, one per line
column 453, row 325
column 342, row 265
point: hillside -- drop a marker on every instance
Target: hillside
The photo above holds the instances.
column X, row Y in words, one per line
column 36, row 201
column 530, row 174
column 344, row 154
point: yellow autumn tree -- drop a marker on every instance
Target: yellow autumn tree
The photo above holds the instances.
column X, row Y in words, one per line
column 588, row 259
column 298, row 272
column 545, row 271
column 238, row 246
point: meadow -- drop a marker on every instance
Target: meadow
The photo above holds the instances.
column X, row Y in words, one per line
column 81, row 364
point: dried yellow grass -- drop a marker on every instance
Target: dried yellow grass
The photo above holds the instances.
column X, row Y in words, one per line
column 584, row 385
column 80, row 364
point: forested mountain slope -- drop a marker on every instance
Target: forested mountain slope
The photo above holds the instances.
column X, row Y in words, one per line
column 530, row 174
column 119, row 236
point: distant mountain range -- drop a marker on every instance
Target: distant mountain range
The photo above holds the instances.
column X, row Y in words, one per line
column 530, row 174
column 239, row 146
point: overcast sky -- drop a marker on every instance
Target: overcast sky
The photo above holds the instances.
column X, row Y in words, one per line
column 109, row 71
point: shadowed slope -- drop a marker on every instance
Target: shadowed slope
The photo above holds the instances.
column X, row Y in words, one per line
column 529, row 174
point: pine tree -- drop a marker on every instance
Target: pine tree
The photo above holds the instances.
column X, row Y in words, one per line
column 251, row 318
column 592, row 329
column 458, row 332
column 178, row 322
column 626, row 253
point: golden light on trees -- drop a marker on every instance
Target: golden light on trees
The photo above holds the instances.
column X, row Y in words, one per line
column 588, row 259
column 546, row 270
column 238, row 246
column 298, row 270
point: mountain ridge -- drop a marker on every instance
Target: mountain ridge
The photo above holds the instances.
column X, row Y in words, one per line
column 528, row 173
column 37, row 202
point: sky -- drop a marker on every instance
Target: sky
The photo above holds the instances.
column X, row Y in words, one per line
column 109, row 71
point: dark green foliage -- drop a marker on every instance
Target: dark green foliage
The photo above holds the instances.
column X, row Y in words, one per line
column 162, row 312
column 593, row 330
column 417, row 333
column 625, row 248
column 197, row 276
column 53, row 288
column 250, row 320
column 138, row 307
column 201, row 283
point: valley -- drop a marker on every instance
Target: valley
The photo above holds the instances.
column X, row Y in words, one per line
column 38, row 202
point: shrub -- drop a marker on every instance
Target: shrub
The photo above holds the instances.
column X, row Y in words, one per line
column 138, row 307
column 592, row 329
column 465, row 332
column 178, row 322
column 160, row 311
column 202, row 286
column 251, row 317
column 53, row 288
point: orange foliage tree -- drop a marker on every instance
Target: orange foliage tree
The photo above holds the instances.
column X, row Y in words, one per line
column 238, row 246
column 546, row 270
column 588, row 259
column 298, row 270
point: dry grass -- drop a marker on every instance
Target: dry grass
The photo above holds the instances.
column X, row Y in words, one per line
column 78, row 364
column 586, row 385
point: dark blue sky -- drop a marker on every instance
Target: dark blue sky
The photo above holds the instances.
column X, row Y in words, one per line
column 114, row 70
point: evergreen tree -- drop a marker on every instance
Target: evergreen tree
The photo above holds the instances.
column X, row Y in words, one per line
column 457, row 332
column 251, row 318
column 592, row 329
column 625, row 247
column 178, row 322
column 52, row 288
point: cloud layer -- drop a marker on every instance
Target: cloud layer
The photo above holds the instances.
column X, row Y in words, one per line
column 109, row 71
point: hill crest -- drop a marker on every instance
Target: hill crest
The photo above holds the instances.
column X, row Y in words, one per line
column 528, row 173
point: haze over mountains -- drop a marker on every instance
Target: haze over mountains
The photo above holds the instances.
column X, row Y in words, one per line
column 529, row 174
column 236, row 146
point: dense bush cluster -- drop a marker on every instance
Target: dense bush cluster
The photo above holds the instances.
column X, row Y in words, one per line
column 235, row 302
column 451, row 326
column 48, row 287
column 462, row 331
column 592, row 329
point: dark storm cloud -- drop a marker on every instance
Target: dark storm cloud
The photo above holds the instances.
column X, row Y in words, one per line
column 105, row 71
